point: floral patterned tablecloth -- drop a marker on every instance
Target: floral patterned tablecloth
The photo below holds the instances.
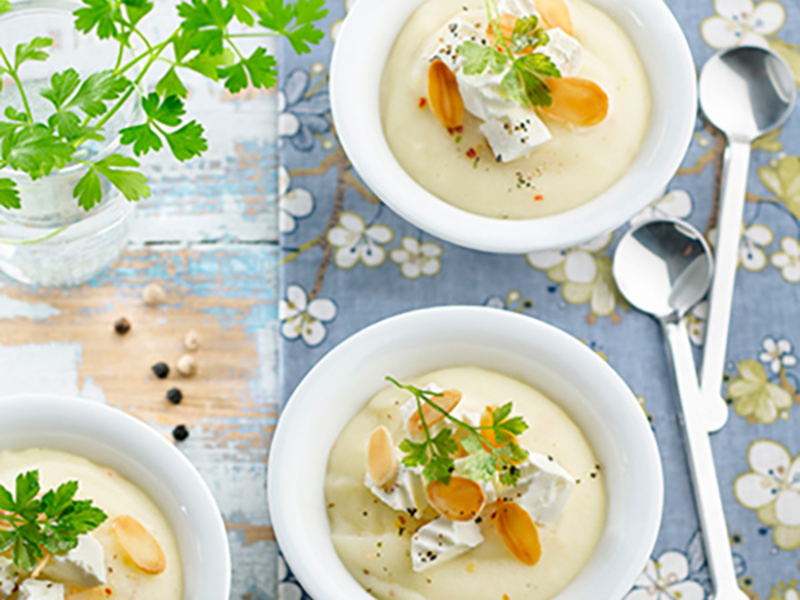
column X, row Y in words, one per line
column 348, row 262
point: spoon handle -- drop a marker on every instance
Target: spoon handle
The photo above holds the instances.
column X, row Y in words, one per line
column 729, row 235
column 701, row 464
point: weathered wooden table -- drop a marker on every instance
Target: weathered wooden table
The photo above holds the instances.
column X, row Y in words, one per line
column 209, row 237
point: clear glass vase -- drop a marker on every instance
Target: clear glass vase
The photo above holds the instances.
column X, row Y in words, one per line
column 52, row 241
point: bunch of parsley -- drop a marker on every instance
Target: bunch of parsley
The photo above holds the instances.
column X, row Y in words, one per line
column 203, row 43
column 484, row 460
column 525, row 74
column 29, row 525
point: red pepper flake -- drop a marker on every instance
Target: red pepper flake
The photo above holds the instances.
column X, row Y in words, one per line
column 108, row 591
column 460, row 129
column 471, row 153
column 422, row 102
column 538, row 197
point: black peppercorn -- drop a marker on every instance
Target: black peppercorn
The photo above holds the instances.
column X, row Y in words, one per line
column 122, row 326
column 160, row 370
column 180, row 433
column 175, row 396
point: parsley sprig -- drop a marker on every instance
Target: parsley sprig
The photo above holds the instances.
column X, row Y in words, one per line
column 31, row 525
column 206, row 41
column 525, row 74
column 486, row 457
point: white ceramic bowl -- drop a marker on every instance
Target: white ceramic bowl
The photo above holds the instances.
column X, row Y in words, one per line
column 110, row 437
column 566, row 370
column 361, row 50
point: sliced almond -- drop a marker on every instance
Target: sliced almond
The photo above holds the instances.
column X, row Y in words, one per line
column 577, row 101
column 381, row 461
column 555, row 14
column 139, row 544
column 461, row 500
column 447, row 402
column 519, row 533
column 92, row 594
column 444, row 95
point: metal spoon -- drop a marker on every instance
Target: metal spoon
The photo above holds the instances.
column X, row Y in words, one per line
column 664, row 268
column 745, row 92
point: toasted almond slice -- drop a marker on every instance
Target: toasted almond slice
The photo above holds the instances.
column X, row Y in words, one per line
column 519, row 532
column 577, row 101
column 461, row 500
column 381, row 461
column 555, row 14
column 447, row 401
column 40, row 567
column 444, row 95
column 92, row 594
column 139, row 544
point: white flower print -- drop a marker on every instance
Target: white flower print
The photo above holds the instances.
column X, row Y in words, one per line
column 288, row 590
column 337, row 25
column 303, row 319
column 417, row 259
column 772, row 489
column 584, row 271
column 667, row 579
column 696, row 323
column 741, row 22
column 356, row 242
column 677, row 204
column 777, row 354
column 788, row 259
column 751, row 249
column 292, row 204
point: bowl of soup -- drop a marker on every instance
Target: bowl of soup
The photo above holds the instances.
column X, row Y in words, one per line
column 572, row 514
column 574, row 136
column 162, row 534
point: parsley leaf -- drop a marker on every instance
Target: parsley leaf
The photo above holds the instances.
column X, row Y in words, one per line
column 171, row 85
column 9, row 198
column 295, row 21
column 243, row 10
column 167, row 111
column 117, row 170
column 96, row 90
column 480, row 57
column 480, row 465
column 188, row 141
column 101, row 14
column 209, row 65
column 235, row 77
column 204, row 22
column 33, row 50
column 137, row 10
column 5, row 6
column 143, row 138
column 260, row 66
column 35, row 150
column 62, row 86
column 528, row 34
column 524, row 82
column 439, row 468
column 13, row 114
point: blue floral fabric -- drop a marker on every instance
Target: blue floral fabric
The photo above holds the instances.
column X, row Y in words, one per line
column 347, row 262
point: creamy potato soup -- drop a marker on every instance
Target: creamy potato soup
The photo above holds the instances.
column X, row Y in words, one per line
column 522, row 532
column 133, row 555
column 501, row 159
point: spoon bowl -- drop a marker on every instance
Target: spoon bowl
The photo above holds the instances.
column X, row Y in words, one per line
column 747, row 92
column 663, row 268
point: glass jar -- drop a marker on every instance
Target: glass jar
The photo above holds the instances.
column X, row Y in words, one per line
column 52, row 241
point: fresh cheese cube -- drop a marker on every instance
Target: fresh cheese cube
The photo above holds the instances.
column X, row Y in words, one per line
column 36, row 589
column 83, row 566
column 406, row 494
column 515, row 135
column 565, row 51
column 8, row 577
column 442, row 540
column 450, row 37
column 518, row 8
column 543, row 490
column 481, row 94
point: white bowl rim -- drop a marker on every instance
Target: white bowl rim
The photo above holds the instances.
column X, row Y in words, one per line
column 193, row 494
column 282, row 475
column 372, row 158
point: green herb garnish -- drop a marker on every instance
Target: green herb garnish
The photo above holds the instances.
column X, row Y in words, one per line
column 30, row 525
column 206, row 41
column 484, row 460
column 525, row 73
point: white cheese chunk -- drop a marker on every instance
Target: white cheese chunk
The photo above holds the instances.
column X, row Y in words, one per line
column 450, row 37
column 518, row 8
column 515, row 135
column 8, row 577
column 406, row 494
column 442, row 540
column 35, row 589
column 543, row 490
column 481, row 94
column 565, row 52
column 83, row 566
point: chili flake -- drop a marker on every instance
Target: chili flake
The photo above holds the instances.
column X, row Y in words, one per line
column 538, row 197
column 471, row 153
column 422, row 102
